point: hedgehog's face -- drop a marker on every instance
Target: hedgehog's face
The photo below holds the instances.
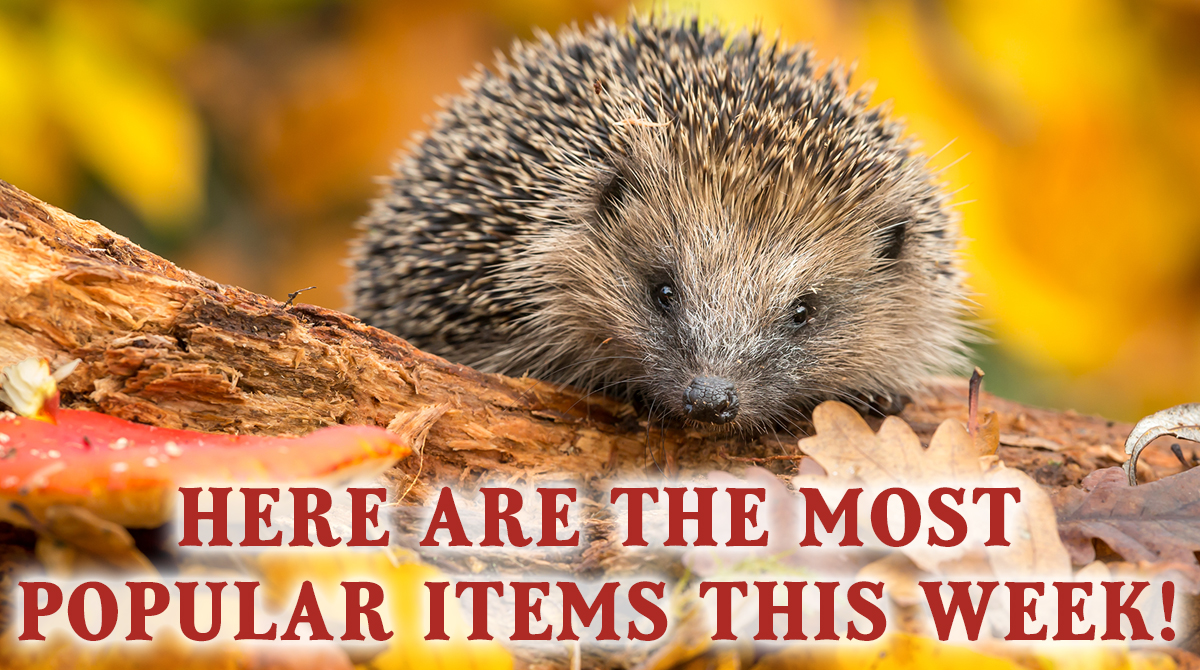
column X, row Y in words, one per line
column 722, row 329
column 720, row 348
column 743, row 317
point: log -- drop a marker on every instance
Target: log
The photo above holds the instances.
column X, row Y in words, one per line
column 165, row 346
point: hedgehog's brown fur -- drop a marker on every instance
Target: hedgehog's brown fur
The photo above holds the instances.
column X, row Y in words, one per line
column 531, row 227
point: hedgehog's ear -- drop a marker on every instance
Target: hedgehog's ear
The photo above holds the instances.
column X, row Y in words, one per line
column 611, row 194
column 891, row 243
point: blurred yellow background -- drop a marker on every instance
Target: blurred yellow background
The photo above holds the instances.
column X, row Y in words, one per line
column 240, row 138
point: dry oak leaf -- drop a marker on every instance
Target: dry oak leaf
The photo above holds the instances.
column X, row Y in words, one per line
column 848, row 450
column 1182, row 421
column 1153, row 525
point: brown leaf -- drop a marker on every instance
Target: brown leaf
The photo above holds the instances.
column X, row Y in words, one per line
column 953, row 454
column 1156, row 523
column 987, row 435
column 845, row 446
column 1035, row 548
column 899, row 574
column 1182, row 421
column 99, row 538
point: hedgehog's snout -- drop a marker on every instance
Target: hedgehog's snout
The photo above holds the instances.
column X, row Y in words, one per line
column 711, row 400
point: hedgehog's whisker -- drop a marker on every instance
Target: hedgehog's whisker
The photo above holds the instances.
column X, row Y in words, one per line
column 647, row 449
column 578, row 363
column 662, row 441
column 605, row 387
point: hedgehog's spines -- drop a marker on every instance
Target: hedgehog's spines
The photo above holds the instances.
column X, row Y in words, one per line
column 523, row 229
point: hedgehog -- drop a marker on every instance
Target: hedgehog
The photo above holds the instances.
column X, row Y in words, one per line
column 709, row 222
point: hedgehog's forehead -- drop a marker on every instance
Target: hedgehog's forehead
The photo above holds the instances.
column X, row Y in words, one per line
column 723, row 273
column 739, row 200
column 702, row 238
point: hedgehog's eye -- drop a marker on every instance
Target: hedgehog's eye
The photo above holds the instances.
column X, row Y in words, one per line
column 802, row 312
column 666, row 297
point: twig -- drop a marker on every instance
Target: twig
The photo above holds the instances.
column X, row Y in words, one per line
column 973, row 401
column 1178, row 451
column 293, row 294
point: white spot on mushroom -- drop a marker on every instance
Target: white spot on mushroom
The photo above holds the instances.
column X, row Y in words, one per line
column 119, row 466
column 3, row 438
column 120, row 444
column 173, row 449
column 53, row 453
column 150, row 462
column 41, row 478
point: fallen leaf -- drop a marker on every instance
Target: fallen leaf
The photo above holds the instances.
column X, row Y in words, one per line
column 1036, row 548
column 899, row 576
column 1155, row 524
column 1182, row 421
column 1033, row 442
column 845, row 446
column 99, row 538
column 848, row 449
column 953, row 455
column 987, row 435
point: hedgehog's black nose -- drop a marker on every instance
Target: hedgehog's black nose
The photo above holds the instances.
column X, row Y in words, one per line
column 711, row 400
